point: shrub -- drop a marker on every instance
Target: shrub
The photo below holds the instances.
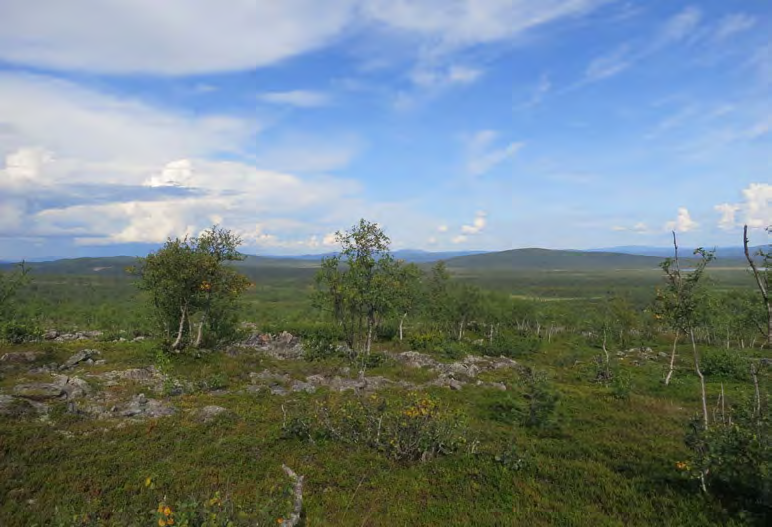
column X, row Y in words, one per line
column 541, row 400
column 18, row 332
column 511, row 345
column 724, row 364
column 428, row 341
column 535, row 408
column 734, row 456
column 416, row 429
column 320, row 347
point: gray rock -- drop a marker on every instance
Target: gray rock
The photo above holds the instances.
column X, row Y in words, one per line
column 142, row 407
column 39, row 391
column 209, row 413
column 455, row 385
column 51, row 334
column 81, row 356
column 21, row 356
column 73, row 387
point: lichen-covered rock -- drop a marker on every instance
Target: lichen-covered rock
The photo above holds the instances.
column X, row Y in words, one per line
column 39, row 391
column 21, row 356
column 209, row 413
column 81, row 356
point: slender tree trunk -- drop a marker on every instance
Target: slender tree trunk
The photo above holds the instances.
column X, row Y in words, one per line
column 702, row 379
column 401, row 323
column 672, row 360
column 760, row 284
column 490, row 335
column 369, row 342
column 178, row 341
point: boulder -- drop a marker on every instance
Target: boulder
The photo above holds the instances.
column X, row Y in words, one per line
column 21, row 356
column 73, row 387
column 51, row 334
column 81, row 356
column 209, row 413
column 142, row 407
column 39, row 391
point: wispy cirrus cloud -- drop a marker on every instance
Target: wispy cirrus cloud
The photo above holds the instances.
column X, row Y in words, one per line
column 299, row 98
column 483, row 155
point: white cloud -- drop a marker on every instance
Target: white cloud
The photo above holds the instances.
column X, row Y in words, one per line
column 638, row 228
column 459, row 239
column 478, row 224
column 428, row 77
column 483, row 156
column 683, row 223
column 75, row 122
column 177, row 37
column 728, row 213
column 169, row 37
column 174, row 174
column 681, row 26
column 733, row 24
column 330, row 239
column 432, row 240
column 442, row 228
column 755, row 211
column 459, row 23
column 300, row 98
column 609, row 65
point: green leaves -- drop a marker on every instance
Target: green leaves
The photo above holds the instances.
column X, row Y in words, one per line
column 187, row 278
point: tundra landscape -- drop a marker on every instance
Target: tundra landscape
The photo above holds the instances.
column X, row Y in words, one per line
column 385, row 262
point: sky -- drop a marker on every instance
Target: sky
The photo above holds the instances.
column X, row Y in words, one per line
column 453, row 124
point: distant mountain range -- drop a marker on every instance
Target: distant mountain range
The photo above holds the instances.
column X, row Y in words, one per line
column 722, row 253
column 630, row 257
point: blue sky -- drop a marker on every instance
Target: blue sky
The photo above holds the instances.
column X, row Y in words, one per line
column 455, row 124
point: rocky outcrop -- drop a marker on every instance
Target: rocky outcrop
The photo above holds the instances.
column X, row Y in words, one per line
column 282, row 346
column 21, row 356
column 85, row 355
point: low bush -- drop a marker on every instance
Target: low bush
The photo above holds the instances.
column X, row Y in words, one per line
column 416, row 429
column 18, row 332
column 510, row 345
column 725, row 364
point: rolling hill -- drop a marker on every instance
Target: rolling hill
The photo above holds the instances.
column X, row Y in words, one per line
column 547, row 259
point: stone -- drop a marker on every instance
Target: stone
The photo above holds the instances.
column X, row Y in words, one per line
column 21, row 356
column 209, row 413
column 39, row 391
column 455, row 385
column 142, row 407
column 51, row 334
column 73, row 387
column 81, row 356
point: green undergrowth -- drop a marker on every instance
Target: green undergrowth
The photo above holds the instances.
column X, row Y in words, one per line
column 598, row 460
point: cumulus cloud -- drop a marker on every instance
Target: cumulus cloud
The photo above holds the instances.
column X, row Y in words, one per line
column 299, row 98
column 683, row 223
column 755, row 211
column 112, row 170
column 483, row 155
column 478, row 224
column 459, row 239
column 442, row 228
